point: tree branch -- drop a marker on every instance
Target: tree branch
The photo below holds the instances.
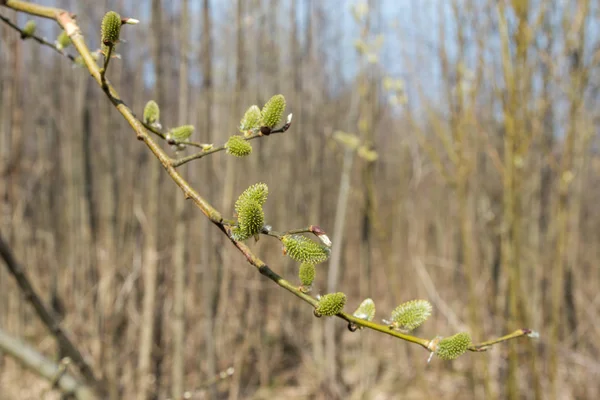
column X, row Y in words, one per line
column 46, row 315
column 38, row 39
column 36, row 362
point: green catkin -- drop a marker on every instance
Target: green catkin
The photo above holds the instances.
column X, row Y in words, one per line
column 306, row 274
column 257, row 192
column 251, row 219
column 110, row 28
column 366, row 310
column 251, row 121
column 454, row 346
column 238, row 146
column 330, row 304
column 151, row 113
column 272, row 112
column 304, row 250
column 410, row 315
column 181, row 133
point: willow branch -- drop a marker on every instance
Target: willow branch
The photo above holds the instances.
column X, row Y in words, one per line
column 38, row 39
column 107, row 57
column 183, row 160
column 143, row 134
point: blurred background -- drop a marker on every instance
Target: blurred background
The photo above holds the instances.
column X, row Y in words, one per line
column 472, row 181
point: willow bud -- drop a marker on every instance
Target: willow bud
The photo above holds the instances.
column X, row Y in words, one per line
column 257, row 193
column 238, row 146
column 330, row 304
column 304, row 250
column 110, row 28
column 63, row 41
column 410, row 315
column 366, row 310
column 454, row 346
column 306, row 274
column 28, row 29
column 151, row 113
column 251, row 120
column 272, row 112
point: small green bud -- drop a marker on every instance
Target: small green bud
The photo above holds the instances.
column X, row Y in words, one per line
column 238, row 146
column 306, row 274
column 454, row 346
column 330, row 304
column 257, row 192
column 366, row 310
column 80, row 62
column 248, row 207
column 181, row 133
column 410, row 315
column 251, row 120
column 63, row 41
column 251, row 219
column 151, row 113
column 304, row 250
column 110, row 29
column 28, row 29
column 272, row 112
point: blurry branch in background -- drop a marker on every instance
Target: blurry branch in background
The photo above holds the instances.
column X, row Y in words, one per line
column 201, row 389
column 249, row 221
column 36, row 362
column 46, row 315
column 28, row 32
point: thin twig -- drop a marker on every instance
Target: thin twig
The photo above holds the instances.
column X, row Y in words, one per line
column 107, row 58
column 172, row 141
column 38, row 39
column 184, row 160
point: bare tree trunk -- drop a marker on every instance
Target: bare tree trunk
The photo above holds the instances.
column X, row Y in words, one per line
column 210, row 279
column 179, row 286
column 562, row 279
column 149, row 230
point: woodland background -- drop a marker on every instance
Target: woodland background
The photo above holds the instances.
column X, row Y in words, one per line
column 483, row 200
